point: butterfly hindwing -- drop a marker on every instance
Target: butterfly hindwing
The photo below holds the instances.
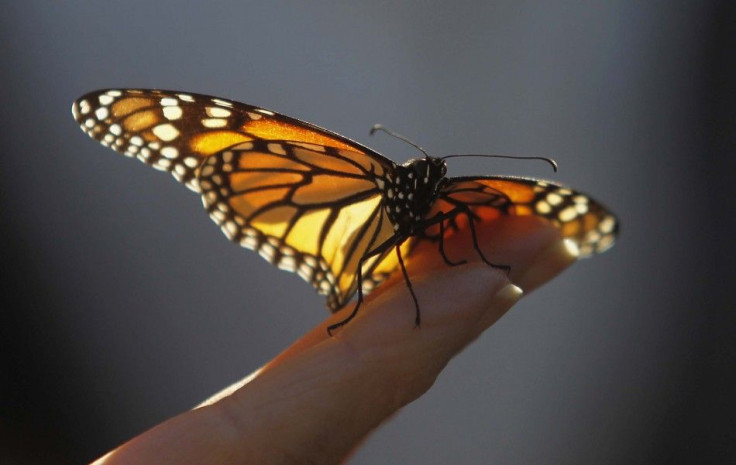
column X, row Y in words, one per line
column 305, row 208
column 583, row 220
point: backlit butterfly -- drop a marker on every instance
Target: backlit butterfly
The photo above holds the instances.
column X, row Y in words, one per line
column 313, row 202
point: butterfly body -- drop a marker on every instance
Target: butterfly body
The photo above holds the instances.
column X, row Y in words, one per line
column 316, row 203
column 409, row 194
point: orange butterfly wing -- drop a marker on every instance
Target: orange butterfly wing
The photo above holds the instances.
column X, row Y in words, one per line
column 583, row 220
column 305, row 198
column 175, row 131
column 306, row 208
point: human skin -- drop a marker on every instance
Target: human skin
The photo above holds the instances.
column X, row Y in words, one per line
column 317, row 400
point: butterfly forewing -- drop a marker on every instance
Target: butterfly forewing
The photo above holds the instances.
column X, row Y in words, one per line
column 170, row 131
column 175, row 131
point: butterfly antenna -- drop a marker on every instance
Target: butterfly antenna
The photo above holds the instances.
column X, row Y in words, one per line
column 551, row 162
column 381, row 127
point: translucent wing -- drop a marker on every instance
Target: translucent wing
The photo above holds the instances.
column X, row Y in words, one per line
column 175, row 131
column 306, row 208
column 305, row 198
column 590, row 225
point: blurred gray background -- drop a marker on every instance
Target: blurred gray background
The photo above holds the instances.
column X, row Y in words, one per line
column 125, row 305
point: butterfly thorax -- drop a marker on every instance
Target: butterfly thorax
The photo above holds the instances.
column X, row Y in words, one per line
column 411, row 190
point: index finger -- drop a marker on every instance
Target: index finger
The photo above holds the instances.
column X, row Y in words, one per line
column 321, row 396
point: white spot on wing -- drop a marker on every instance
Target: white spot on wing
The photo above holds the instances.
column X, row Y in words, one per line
column 568, row 214
column 217, row 216
column 166, row 132
column 84, row 107
column 554, row 199
column 267, row 251
column 605, row 243
column 172, row 112
column 102, row 113
column 224, row 103
column 249, row 242
column 305, row 272
column 606, row 225
column 543, row 207
column 230, row 229
column 217, row 112
column 170, row 152
column 214, row 122
column 105, row 99
column 288, row 264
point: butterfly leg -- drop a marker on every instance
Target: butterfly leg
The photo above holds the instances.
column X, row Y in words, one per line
column 345, row 321
column 417, row 317
column 377, row 251
column 439, row 219
column 442, row 243
column 471, row 223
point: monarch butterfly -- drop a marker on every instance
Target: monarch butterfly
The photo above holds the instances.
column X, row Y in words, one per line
column 316, row 203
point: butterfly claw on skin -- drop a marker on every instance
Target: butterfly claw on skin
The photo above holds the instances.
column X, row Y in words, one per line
column 313, row 202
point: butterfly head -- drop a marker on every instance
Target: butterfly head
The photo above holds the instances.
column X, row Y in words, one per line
column 437, row 167
column 426, row 173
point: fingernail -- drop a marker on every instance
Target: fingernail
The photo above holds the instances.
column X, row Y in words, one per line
column 503, row 300
column 548, row 264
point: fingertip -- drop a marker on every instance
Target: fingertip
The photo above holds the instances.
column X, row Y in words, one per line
column 547, row 264
column 502, row 301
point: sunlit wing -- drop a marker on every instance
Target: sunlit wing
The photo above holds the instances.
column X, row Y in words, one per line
column 175, row 131
column 590, row 225
column 306, row 208
column 302, row 196
column 309, row 200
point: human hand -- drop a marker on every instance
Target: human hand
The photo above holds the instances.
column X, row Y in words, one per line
column 316, row 401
